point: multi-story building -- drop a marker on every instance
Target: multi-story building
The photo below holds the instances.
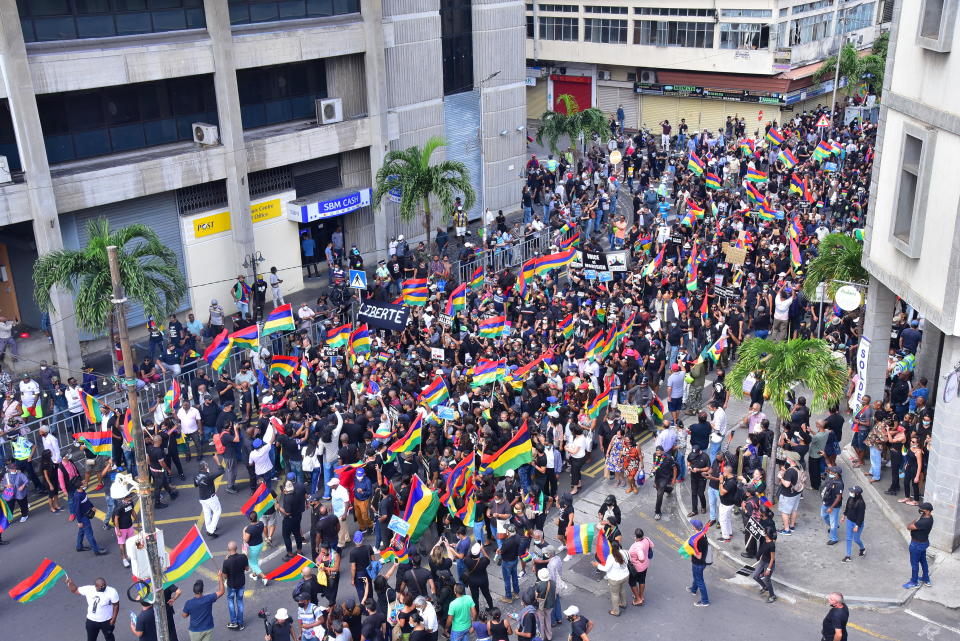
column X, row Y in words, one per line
column 912, row 239
column 700, row 60
column 234, row 127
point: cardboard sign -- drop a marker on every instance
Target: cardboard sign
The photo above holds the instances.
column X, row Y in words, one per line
column 436, row 353
column 445, row 319
column 630, row 413
column 735, row 255
column 398, row 525
column 617, row 261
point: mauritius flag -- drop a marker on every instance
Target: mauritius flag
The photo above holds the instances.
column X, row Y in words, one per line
column 100, row 443
column 774, row 136
column 6, row 515
column 338, row 336
column 566, row 326
column 713, row 181
column 695, row 164
column 754, row 195
column 171, row 398
column 435, row 393
column 555, row 261
column 290, row 570
column 822, row 151
column 602, row 550
column 186, row 557
column 218, row 351
column 689, row 548
column 422, row 506
column 492, row 327
column 415, row 292
column 283, row 365
column 568, row 243
column 411, row 439
column 458, row 299
column 91, row 408
column 127, row 426
column 787, row 158
column 755, row 175
column 360, row 340
column 692, row 273
column 248, row 337
column 515, row 452
column 600, row 402
column 476, row 279
column 280, row 319
column 580, row 538
column 486, row 371
column 38, row 583
column 259, row 502
column 656, row 408
column 796, row 185
column 795, row 257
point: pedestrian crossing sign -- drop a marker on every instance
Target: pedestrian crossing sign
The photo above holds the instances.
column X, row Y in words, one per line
column 358, row 279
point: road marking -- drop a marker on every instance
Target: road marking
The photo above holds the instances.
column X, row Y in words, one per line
column 876, row 635
column 666, row 532
column 917, row 615
column 197, row 519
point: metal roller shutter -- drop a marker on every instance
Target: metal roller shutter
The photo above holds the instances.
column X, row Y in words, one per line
column 656, row 109
column 537, row 99
column 610, row 97
column 706, row 114
column 358, row 227
column 461, row 118
column 159, row 212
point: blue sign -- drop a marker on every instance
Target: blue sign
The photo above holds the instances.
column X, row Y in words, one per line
column 829, row 166
column 445, row 412
column 339, row 206
column 358, row 279
column 590, row 274
column 605, row 277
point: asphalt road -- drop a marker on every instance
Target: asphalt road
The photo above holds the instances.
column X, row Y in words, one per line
column 737, row 610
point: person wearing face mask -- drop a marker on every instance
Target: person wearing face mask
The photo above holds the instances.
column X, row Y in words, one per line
column 103, row 606
column 853, row 514
column 831, row 495
column 919, row 542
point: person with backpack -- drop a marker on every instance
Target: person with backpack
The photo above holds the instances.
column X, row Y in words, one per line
column 792, row 479
column 831, row 496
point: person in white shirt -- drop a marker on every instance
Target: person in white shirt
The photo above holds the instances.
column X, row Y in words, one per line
column 103, row 606
column 260, row 460
column 49, row 442
column 428, row 613
column 29, row 395
column 306, row 315
column 719, row 433
column 617, row 573
column 275, row 281
column 340, row 504
column 189, row 418
column 576, row 455
column 781, row 314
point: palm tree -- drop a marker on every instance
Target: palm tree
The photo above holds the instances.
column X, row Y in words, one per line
column 409, row 171
column 784, row 365
column 858, row 69
column 148, row 269
column 555, row 125
column 839, row 259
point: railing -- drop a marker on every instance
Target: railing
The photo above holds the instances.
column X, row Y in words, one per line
column 498, row 259
column 64, row 424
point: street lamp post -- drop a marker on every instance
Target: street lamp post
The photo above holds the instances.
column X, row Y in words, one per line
column 483, row 156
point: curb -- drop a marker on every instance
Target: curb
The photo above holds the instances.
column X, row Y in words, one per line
column 869, row 488
column 862, row 601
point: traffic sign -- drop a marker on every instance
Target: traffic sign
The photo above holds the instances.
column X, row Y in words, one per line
column 358, row 279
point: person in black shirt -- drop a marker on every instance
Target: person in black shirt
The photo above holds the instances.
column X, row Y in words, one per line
column 509, row 555
column 234, row 570
column 835, row 623
column 373, row 625
column 159, row 470
column 664, row 476
column 360, row 557
column 767, row 556
column 919, row 542
column 418, row 580
column 700, row 432
column 698, row 563
column 698, row 463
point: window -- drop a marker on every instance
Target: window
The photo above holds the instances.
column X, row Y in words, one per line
column 937, row 22
column 530, row 32
column 605, row 30
column 746, row 13
column 858, row 17
column 46, row 20
column 665, row 33
column 913, row 183
column 689, row 13
column 567, row 29
column 84, row 124
column 784, row 11
column 254, row 11
column 456, row 37
column 809, row 29
column 810, row 6
column 560, row 8
column 280, row 93
column 744, row 35
column 8, row 137
column 601, row 9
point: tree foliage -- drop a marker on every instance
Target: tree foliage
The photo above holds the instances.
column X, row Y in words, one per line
column 409, row 171
column 555, row 125
column 858, row 69
column 839, row 259
column 148, row 270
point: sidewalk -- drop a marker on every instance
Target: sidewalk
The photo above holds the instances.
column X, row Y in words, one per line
column 808, row 566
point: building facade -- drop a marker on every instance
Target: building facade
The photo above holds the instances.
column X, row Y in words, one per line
column 235, row 127
column 700, row 60
column 912, row 239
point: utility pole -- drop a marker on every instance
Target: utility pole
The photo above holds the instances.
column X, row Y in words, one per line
column 148, row 527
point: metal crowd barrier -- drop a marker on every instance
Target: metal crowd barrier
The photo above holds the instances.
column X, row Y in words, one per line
column 498, row 259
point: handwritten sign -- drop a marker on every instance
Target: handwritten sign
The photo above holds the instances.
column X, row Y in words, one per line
column 630, row 413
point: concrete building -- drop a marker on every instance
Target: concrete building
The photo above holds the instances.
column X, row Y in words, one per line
column 200, row 118
column 912, row 247
column 700, row 60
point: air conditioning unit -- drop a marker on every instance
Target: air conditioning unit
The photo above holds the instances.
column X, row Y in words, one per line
column 648, row 76
column 4, row 170
column 329, row 111
column 603, row 75
column 204, row 134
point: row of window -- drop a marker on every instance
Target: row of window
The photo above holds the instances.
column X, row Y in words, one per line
column 746, row 13
column 854, row 18
column 605, row 9
column 811, row 6
column 660, row 33
column 49, row 20
column 84, row 124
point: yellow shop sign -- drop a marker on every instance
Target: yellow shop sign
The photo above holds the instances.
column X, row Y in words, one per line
column 266, row 210
column 212, row 224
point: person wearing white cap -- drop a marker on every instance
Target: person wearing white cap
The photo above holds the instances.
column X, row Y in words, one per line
column 580, row 626
column 281, row 629
column 546, row 591
column 340, row 502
